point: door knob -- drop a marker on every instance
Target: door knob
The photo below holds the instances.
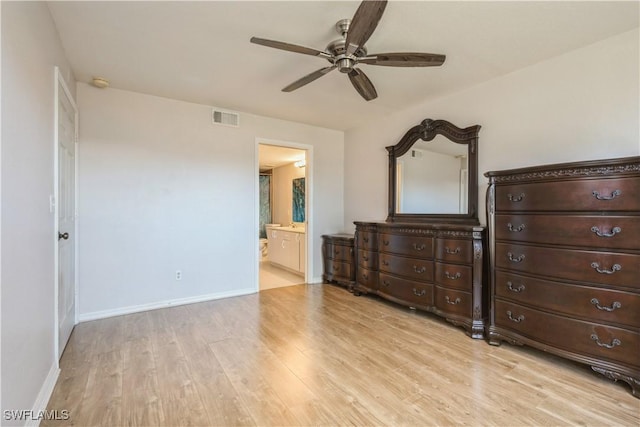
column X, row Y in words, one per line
column 63, row 236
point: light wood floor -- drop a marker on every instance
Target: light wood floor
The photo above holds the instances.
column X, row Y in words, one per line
column 317, row 355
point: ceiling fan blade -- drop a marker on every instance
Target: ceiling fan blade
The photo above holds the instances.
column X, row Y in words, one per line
column 362, row 84
column 364, row 22
column 290, row 47
column 404, row 59
column 308, row 79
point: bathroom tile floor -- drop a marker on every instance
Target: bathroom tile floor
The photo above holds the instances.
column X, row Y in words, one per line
column 274, row 277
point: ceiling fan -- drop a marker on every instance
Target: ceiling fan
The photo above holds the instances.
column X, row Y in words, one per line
column 349, row 51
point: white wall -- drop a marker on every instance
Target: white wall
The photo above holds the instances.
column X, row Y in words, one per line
column 430, row 167
column 282, row 181
column 30, row 50
column 582, row 105
column 162, row 189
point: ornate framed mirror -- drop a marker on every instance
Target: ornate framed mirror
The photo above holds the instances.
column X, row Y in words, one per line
column 433, row 174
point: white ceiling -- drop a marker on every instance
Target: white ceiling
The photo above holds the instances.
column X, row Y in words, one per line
column 272, row 156
column 200, row 51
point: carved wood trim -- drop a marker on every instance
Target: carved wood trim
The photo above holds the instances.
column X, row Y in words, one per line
column 429, row 128
column 596, row 168
column 615, row 376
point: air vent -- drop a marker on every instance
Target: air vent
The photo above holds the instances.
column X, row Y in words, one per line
column 227, row 118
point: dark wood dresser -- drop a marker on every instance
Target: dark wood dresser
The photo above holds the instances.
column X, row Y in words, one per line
column 565, row 262
column 338, row 259
column 432, row 267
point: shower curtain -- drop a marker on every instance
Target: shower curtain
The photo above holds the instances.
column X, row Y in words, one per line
column 265, row 204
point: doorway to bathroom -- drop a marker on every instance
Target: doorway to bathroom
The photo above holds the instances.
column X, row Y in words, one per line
column 283, row 217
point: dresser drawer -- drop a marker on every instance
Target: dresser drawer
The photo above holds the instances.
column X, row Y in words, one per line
column 415, row 246
column 610, row 268
column 339, row 252
column 368, row 259
column 340, row 269
column 413, row 268
column 454, row 276
column 606, row 342
column 597, row 304
column 602, row 194
column 454, row 250
column 367, row 278
column 406, row 290
column 366, row 240
column 453, row 301
column 619, row 232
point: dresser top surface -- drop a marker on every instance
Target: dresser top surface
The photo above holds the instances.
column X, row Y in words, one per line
column 628, row 166
column 417, row 225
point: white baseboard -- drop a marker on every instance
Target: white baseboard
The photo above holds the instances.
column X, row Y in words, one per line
column 316, row 280
column 103, row 314
column 45, row 394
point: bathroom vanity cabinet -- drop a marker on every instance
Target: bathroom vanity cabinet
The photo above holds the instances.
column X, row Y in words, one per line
column 287, row 248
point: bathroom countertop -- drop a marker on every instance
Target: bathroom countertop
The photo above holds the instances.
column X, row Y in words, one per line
column 289, row 228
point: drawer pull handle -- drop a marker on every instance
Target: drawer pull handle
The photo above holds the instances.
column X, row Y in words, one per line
column 419, row 294
column 613, row 195
column 520, row 287
column 336, row 268
column 364, row 257
column 365, row 276
column 386, row 242
column 515, row 229
column 615, row 305
column 365, row 239
column 515, row 319
column 385, row 262
column 616, row 267
column 513, row 198
column 419, row 270
column 386, row 283
column 452, row 252
column 452, row 277
column 338, row 251
column 614, row 343
column 614, row 231
column 454, row 302
column 419, row 248
column 516, row 259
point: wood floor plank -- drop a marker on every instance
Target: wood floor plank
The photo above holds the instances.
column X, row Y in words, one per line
column 220, row 399
column 248, row 378
column 180, row 399
column 101, row 403
column 142, row 405
column 317, row 355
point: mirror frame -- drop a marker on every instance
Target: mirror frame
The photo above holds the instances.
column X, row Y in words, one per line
column 427, row 130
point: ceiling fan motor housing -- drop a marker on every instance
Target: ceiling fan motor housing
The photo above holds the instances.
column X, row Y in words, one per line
column 340, row 59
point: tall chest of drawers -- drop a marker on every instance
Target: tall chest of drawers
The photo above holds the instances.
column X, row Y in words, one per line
column 565, row 262
column 431, row 267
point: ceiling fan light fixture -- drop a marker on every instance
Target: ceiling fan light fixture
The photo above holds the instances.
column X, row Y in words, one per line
column 345, row 65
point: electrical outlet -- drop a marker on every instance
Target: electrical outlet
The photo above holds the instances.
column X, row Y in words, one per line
column 178, row 275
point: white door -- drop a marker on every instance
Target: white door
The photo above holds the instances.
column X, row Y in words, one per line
column 66, row 124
